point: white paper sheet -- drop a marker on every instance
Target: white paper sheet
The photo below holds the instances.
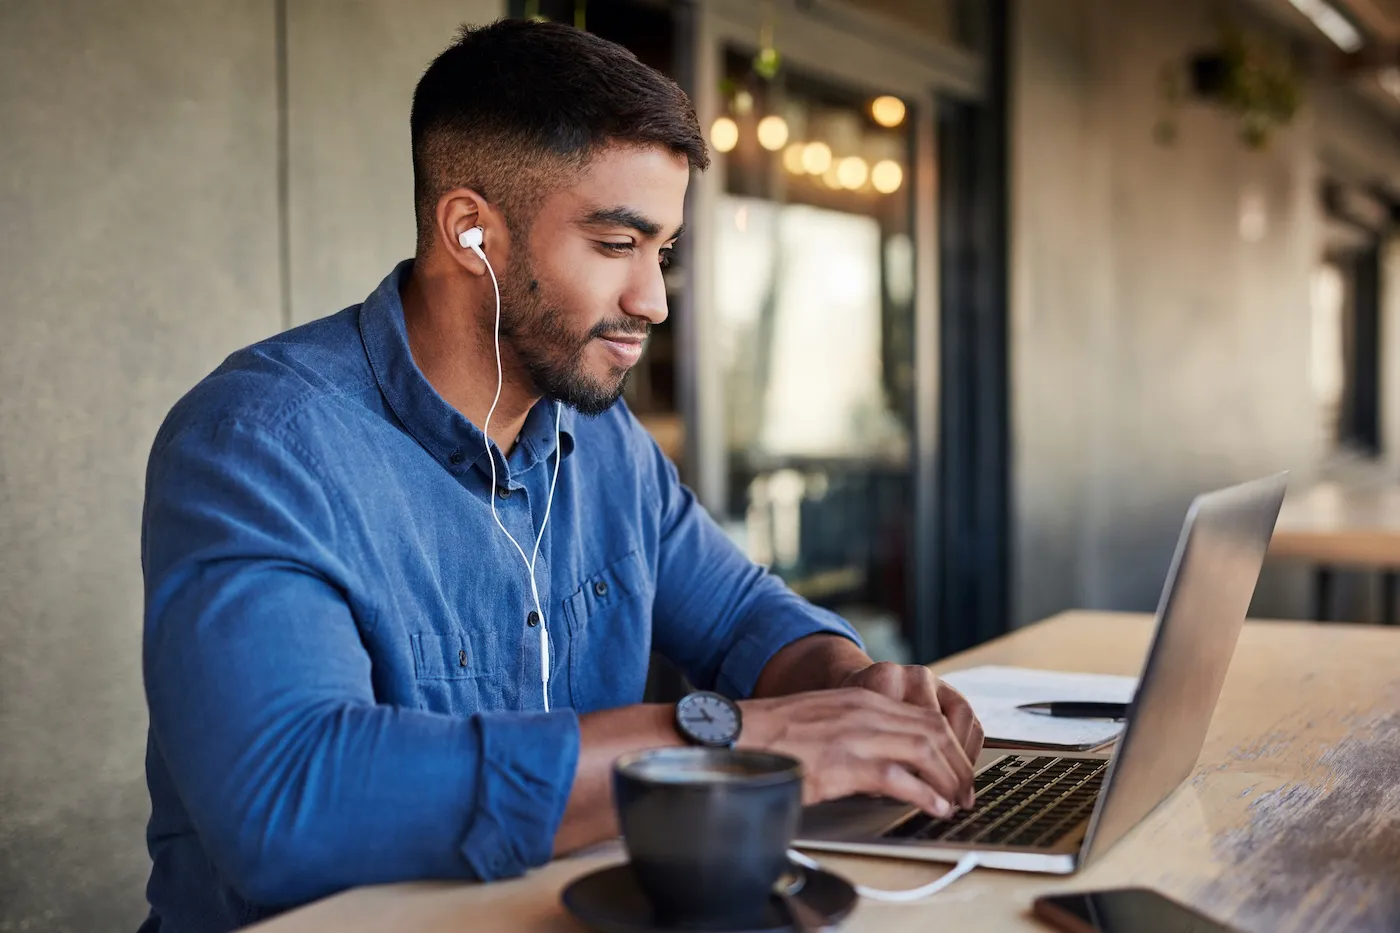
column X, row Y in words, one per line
column 995, row 692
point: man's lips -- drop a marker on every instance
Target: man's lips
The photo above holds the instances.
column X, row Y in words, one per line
column 625, row 348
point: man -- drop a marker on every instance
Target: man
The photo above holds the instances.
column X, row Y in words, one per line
column 343, row 653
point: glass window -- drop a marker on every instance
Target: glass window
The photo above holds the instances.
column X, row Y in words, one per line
column 815, row 310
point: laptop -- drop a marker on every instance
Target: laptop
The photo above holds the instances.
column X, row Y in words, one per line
column 1044, row 812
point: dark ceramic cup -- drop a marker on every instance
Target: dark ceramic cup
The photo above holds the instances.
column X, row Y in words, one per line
column 707, row 829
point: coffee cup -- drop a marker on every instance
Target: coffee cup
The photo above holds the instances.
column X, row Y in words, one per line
column 707, row 829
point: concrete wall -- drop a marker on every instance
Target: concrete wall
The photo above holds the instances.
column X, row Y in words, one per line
column 353, row 66
column 139, row 244
column 138, row 223
column 1157, row 351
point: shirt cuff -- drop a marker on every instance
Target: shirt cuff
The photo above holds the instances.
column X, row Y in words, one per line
column 772, row 630
column 528, row 762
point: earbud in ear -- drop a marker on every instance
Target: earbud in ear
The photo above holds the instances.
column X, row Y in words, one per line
column 472, row 239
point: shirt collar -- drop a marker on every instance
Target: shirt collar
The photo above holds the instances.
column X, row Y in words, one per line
column 442, row 430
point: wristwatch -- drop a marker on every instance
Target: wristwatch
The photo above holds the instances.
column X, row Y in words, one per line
column 708, row 719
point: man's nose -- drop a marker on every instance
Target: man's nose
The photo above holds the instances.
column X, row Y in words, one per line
column 646, row 295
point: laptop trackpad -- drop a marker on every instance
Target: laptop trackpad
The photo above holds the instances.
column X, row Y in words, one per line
column 851, row 817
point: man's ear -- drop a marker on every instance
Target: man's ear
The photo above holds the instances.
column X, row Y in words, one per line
column 458, row 211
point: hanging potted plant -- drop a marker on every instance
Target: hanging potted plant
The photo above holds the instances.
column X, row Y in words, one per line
column 1251, row 77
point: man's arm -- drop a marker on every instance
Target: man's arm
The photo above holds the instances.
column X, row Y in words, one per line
column 738, row 629
column 717, row 615
column 735, row 628
column 817, row 662
column 851, row 741
column 262, row 708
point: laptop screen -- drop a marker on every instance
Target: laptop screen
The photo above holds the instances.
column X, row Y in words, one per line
column 1202, row 609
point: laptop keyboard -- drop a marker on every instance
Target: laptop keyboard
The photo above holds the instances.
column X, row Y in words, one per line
column 1022, row 800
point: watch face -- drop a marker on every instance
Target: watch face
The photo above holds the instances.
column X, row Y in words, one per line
column 708, row 718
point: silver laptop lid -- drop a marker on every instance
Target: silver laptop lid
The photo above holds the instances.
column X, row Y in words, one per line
column 1202, row 609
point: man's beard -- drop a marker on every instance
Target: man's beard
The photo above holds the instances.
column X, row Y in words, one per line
column 550, row 352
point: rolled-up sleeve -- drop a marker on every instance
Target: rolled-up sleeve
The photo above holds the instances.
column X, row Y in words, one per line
column 262, row 708
column 717, row 614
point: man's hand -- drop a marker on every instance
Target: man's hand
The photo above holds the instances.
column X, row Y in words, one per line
column 891, row 730
column 917, row 685
column 860, row 741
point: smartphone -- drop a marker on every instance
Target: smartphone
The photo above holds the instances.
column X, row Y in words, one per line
column 1124, row 910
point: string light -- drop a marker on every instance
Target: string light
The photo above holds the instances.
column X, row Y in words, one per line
column 724, row 134
column 816, row 158
column 772, row 133
column 887, row 111
column 792, row 158
column 886, row 176
column 852, row 172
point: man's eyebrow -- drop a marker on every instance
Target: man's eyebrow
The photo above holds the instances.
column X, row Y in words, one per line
column 626, row 217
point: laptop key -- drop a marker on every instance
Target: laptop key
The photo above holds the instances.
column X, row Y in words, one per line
column 1022, row 801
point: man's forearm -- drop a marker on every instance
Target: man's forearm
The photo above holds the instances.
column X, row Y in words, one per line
column 603, row 738
column 817, row 662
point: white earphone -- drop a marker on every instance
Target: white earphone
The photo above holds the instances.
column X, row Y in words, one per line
column 472, row 239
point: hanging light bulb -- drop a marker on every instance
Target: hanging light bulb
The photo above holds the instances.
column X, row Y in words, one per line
column 772, row 132
column 887, row 110
column 852, row 172
column 792, row 158
column 724, row 134
column 887, row 176
column 816, row 158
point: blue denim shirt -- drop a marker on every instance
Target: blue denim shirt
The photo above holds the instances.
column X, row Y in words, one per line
column 340, row 662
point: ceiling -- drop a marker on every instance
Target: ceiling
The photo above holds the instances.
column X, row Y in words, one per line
column 1374, row 70
column 1380, row 18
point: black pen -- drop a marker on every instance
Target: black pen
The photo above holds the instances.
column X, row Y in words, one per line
column 1078, row 710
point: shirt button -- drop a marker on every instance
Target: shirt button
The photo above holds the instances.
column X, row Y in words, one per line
column 503, row 492
column 532, row 619
column 600, row 588
column 457, row 457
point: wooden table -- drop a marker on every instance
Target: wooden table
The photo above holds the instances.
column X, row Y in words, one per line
column 1290, row 822
column 1334, row 524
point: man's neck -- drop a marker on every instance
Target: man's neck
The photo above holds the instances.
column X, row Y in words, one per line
column 453, row 348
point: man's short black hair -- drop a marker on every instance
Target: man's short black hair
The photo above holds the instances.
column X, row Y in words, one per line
column 511, row 109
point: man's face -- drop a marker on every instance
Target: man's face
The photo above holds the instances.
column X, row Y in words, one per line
column 577, row 303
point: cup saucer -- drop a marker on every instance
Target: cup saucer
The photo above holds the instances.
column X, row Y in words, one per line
column 610, row 901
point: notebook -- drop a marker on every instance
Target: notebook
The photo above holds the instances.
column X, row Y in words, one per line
column 994, row 692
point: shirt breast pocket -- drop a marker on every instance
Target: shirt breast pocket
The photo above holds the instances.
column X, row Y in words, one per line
column 455, row 675
column 609, row 617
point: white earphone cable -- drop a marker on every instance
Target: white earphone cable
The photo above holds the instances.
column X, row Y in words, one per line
column 908, row 895
column 549, row 502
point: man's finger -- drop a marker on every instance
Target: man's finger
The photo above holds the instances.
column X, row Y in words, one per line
column 892, row 780
column 921, row 687
column 975, row 740
column 879, row 757
column 960, row 716
column 882, row 677
column 934, row 754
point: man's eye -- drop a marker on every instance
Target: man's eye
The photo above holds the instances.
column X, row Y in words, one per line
column 621, row 249
column 665, row 257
